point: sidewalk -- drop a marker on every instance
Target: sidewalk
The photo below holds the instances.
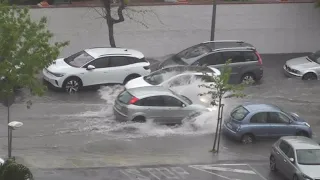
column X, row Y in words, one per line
column 97, row 3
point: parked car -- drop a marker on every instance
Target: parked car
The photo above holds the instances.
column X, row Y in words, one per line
column 297, row 158
column 247, row 123
column 96, row 66
column 246, row 63
column 306, row 67
column 160, row 104
column 173, row 76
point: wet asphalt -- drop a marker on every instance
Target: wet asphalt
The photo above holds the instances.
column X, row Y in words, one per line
column 77, row 131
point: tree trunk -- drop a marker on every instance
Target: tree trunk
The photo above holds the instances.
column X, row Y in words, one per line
column 217, row 128
column 8, row 121
column 111, row 35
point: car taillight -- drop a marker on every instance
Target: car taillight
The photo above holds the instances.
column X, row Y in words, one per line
column 259, row 58
column 133, row 100
column 146, row 67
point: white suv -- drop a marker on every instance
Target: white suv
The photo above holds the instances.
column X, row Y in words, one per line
column 96, row 66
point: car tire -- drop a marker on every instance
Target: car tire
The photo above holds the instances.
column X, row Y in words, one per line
column 139, row 119
column 72, row 85
column 248, row 77
column 247, row 139
column 272, row 164
column 302, row 133
column 309, row 76
column 295, row 177
column 130, row 77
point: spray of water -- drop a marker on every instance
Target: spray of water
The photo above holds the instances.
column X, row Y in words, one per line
column 103, row 122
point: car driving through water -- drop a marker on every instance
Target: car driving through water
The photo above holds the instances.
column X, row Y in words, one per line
column 159, row 104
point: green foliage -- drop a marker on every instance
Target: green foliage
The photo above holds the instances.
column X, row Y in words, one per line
column 221, row 86
column 25, row 49
column 317, row 3
column 14, row 171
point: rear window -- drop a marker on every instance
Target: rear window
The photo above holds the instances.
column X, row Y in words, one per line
column 239, row 113
column 250, row 56
column 125, row 97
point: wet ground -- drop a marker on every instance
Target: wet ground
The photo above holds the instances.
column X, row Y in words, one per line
column 78, row 131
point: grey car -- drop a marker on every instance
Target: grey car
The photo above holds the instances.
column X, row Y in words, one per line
column 246, row 62
column 160, row 104
column 296, row 157
column 306, row 67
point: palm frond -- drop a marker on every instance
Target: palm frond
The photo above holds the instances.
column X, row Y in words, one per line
column 11, row 170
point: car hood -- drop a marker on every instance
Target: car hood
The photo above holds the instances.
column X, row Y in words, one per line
column 301, row 63
column 312, row 171
column 170, row 61
column 60, row 66
column 137, row 82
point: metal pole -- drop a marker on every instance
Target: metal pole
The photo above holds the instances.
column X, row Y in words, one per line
column 221, row 113
column 213, row 21
column 8, row 119
column 10, row 144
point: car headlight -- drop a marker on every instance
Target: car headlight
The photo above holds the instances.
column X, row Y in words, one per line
column 306, row 177
column 307, row 124
column 57, row 74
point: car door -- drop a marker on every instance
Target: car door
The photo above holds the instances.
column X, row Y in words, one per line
column 174, row 110
column 212, row 60
column 280, row 156
column 258, row 124
column 118, row 68
column 280, row 124
column 153, row 108
column 289, row 167
column 236, row 64
column 98, row 75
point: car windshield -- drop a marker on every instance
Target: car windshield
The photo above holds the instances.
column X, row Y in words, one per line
column 315, row 57
column 79, row 59
column 239, row 113
column 160, row 76
column 182, row 97
column 191, row 54
column 308, row 156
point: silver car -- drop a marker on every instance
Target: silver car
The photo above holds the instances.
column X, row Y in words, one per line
column 160, row 104
column 296, row 157
column 306, row 68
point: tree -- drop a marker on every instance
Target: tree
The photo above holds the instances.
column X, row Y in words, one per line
column 217, row 91
column 24, row 50
column 14, row 171
column 122, row 11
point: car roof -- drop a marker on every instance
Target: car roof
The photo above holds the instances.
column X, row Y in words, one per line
column 301, row 142
column 108, row 51
column 229, row 44
column 142, row 92
column 261, row 107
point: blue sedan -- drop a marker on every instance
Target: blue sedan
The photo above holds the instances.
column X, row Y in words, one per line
column 250, row 122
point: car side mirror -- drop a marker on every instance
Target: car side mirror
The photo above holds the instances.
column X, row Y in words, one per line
column 90, row 67
column 291, row 160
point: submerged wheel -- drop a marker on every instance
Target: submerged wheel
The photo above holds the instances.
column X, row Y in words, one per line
column 309, row 76
column 72, row 85
column 273, row 165
column 247, row 139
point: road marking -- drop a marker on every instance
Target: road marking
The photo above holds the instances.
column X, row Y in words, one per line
column 256, row 172
column 195, row 167
column 159, row 173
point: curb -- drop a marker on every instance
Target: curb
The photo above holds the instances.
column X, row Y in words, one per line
column 172, row 4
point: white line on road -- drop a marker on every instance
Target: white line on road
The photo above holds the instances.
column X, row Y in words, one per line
column 229, row 169
column 256, row 172
column 211, row 172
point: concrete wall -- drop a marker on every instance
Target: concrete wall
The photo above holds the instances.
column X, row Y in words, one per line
column 272, row 28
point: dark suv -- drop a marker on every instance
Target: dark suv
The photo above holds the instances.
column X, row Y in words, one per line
column 246, row 62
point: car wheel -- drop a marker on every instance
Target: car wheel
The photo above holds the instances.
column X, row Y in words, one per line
column 139, row 119
column 130, row 77
column 248, row 77
column 247, row 139
column 295, row 177
column 309, row 76
column 273, row 165
column 302, row 133
column 72, row 85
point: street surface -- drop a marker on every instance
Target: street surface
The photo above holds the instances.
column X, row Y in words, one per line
column 63, row 131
